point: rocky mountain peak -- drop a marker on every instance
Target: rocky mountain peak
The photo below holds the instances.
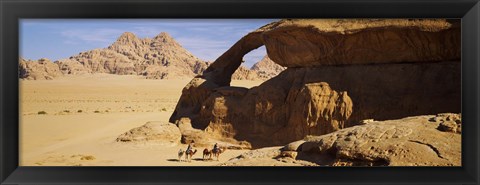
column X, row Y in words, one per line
column 165, row 41
column 164, row 37
column 127, row 37
column 267, row 68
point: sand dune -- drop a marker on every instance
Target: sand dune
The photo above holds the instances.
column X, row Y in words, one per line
column 85, row 114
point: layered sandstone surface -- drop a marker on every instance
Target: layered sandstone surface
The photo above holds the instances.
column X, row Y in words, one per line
column 411, row 141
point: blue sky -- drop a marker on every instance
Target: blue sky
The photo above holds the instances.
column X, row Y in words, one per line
column 61, row 38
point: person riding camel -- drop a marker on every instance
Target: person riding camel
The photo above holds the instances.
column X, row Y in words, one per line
column 215, row 148
column 190, row 147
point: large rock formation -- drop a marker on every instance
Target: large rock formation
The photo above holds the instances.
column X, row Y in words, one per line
column 339, row 72
column 158, row 58
column 412, row 141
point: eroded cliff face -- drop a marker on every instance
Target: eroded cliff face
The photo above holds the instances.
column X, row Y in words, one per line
column 339, row 72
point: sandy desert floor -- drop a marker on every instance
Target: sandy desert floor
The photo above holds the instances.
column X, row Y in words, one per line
column 74, row 121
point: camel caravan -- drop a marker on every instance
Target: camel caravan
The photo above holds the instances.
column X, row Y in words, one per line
column 207, row 154
column 215, row 152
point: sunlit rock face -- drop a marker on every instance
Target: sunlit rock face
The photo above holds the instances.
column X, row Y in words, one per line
column 338, row 73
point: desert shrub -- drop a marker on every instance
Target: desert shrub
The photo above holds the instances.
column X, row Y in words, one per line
column 42, row 112
column 164, row 109
column 88, row 157
column 67, row 111
column 96, row 111
column 79, row 111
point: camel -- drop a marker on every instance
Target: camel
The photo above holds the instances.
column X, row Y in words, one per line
column 180, row 154
column 207, row 153
column 189, row 154
column 216, row 153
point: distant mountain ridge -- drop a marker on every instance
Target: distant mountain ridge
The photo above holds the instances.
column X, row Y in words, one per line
column 267, row 68
column 160, row 57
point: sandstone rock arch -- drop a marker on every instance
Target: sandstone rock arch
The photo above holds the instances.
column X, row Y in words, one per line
column 339, row 72
column 218, row 74
column 220, row 71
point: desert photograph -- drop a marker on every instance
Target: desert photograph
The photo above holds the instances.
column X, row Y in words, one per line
column 240, row 92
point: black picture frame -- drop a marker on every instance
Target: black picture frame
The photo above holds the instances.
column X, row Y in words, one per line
column 13, row 10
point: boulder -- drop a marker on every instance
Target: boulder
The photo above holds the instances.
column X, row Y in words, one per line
column 152, row 132
column 270, row 156
column 448, row 126
column 448, row 122
column 293, row 146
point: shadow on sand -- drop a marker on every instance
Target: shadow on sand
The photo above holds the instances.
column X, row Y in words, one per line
column 175, row 160
column 201, row 159
column 194, row 159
